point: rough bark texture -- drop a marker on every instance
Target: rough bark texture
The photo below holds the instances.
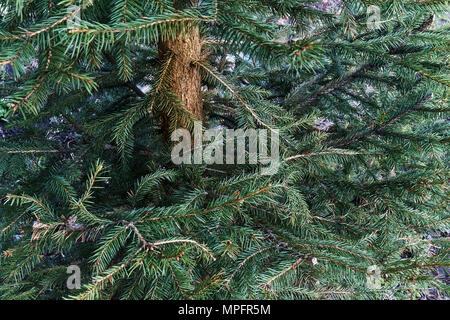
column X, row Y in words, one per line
column 186, row 79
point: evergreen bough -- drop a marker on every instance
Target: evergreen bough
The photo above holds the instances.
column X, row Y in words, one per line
column 86, row 175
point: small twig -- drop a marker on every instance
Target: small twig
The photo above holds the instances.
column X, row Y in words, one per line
column 31, row 151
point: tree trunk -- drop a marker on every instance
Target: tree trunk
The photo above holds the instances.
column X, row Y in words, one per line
column 185, row 79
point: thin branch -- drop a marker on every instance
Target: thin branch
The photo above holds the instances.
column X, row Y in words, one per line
column 380, row 129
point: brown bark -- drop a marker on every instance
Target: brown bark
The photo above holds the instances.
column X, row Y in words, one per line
column 185, row 76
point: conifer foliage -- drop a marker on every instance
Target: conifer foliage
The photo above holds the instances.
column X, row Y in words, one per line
column 87, row 107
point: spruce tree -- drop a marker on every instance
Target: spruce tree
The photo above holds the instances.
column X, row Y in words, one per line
column 90, row 92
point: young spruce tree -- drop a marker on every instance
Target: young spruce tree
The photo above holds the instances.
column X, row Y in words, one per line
column 88, row 105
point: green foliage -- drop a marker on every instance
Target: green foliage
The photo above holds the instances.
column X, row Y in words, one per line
column 87, row 180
